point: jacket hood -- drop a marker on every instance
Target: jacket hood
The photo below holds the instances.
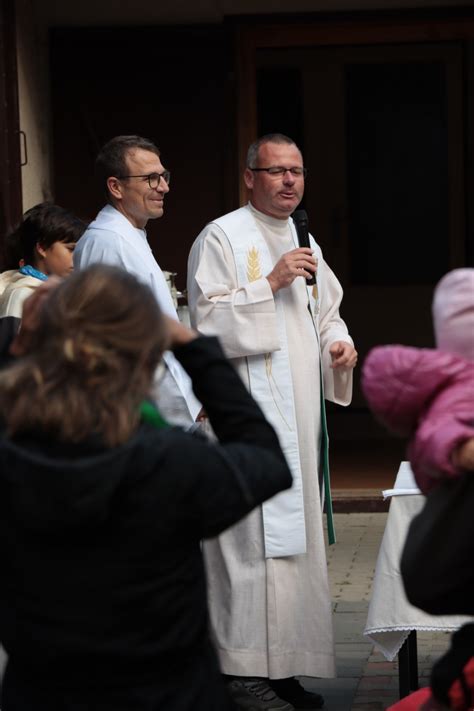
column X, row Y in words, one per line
column 399, row 382
column 453, row 313
column 14, row 289
column 61, row 487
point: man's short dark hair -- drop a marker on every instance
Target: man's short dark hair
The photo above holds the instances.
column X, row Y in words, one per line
column 111, row 160
column 252, row 153
column 42, row 224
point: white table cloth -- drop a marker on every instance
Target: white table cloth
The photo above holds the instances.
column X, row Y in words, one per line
column 391, row 618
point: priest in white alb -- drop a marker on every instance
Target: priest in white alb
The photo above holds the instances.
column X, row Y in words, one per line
column 135, row 183
column 268, row 589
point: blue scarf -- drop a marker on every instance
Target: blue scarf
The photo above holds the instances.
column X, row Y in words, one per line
column 28, row 270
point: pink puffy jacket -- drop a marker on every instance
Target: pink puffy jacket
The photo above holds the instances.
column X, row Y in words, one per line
column 428, row 395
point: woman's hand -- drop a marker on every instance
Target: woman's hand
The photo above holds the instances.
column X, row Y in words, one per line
column 178, row 334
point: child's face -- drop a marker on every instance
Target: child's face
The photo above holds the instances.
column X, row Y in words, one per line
column 58, row 258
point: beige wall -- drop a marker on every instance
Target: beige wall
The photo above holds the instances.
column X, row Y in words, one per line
column 34, row 104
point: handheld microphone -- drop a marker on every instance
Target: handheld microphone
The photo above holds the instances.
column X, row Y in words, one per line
column 300, row 218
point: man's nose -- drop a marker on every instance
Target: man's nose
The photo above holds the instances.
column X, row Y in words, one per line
column 162, row 186
column 288, row 177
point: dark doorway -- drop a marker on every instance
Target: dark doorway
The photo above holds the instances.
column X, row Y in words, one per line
column 173, row 85
column 382, row 133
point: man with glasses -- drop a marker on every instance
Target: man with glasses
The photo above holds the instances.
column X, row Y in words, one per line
column 267, row 576
column 135, row 182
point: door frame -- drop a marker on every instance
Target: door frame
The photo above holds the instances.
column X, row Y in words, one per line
column 332, row 30
column 10, row 168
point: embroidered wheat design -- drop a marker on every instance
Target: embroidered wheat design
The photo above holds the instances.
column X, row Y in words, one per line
column 253, row 265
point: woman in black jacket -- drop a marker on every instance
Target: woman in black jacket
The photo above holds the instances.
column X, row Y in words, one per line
column 103, row 593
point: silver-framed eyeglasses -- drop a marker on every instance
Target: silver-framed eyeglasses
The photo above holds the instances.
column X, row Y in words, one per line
column 153, row 178
column 278, row 171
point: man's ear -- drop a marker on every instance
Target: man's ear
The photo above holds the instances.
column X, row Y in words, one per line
column 249, row 178
column 114, row 187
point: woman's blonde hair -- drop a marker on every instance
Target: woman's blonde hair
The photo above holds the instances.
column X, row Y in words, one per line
column 99, row 339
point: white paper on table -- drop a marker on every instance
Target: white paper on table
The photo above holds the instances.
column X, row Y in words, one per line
column 405, row 484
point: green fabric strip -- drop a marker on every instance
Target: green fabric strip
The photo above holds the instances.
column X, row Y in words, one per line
column 324, row 461
column 149, row 413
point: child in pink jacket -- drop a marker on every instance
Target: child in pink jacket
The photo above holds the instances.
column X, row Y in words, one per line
column 428, row 394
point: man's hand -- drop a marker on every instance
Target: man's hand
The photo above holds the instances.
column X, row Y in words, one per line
column 297, row 263
column 343, row 355
column 30, row 316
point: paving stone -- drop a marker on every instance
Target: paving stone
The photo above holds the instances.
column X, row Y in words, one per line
column 352, row 606
column 381, row 668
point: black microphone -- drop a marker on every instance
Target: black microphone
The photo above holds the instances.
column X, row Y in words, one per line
column 300, row 218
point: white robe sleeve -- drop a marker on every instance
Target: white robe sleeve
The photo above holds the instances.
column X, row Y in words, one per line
column 243, row 318
column 337, row 383
column 174, row 394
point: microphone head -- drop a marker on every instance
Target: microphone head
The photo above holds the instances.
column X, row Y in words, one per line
column 300, row 217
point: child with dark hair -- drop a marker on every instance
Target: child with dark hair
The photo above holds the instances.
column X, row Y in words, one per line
column 41, row 245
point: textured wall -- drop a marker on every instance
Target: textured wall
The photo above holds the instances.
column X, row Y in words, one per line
column 34, row 104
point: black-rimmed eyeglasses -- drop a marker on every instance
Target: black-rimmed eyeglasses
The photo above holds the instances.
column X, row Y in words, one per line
column 278, row 170
column 153, row 178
